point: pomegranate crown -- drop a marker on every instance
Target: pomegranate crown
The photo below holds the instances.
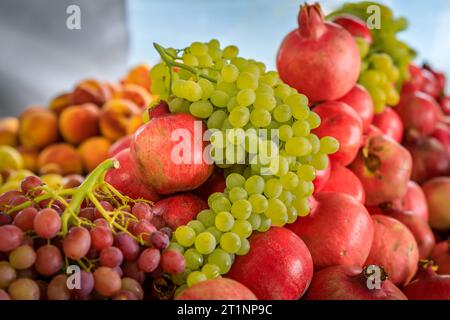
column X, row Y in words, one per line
column 311, row 21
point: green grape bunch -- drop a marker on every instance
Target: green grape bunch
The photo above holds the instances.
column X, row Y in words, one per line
column 260, row 133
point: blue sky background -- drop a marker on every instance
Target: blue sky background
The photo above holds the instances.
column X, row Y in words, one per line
column 258, row 26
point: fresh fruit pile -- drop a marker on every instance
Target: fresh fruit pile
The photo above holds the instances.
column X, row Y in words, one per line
column 244, row 183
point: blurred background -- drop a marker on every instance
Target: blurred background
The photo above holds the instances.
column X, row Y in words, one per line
column 41, row 57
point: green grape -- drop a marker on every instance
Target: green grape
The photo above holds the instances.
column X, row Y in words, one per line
column 289, row 181
column 260, row 118
column 239, row 117
column 190, row 59
column 235, row 136
column 301, row 128
column 201, row 109
column 298, row 146
column 197, row 226
column 286, row 197
column 234, row 180
column 184, row 74
column 264, row 88
column 261, row 66
column 315, row 143
column 254, row 185
column 267, row 150
column 246, row 97
column 177, row 87
column 213, row 43
column 191, row 91
column 232, row 103
column 329, row 145
column 285, row 132
column 205, row 243
column 229, row 73
column 244, row 249
column 220, row 204
column 254, row 220
column 216, row 119
column 265, row 101
column 302, row 206
column 224, row 221
column 211, row 271
column 282, row 113
column 279, row 166
column 198, row 48
column 282, row 91
column 219, row 98
column 247, row 80
column 306, row 172
column 159, row 71
column 235, row 154
column 381, row 62
column 207, row 88
column 370, row 78
column 221, row 259
column 195, row 277
column 271, row 78
column 206, row 217
column 252, row 68
column 175, row 246
column 259, row 203
column 216, row 54
column 393, row 74
column 292, row 215
column 239, row 62
column 215, row 232
column 242, row 228
column 276, row 210
column 193, row 258
column 273, row 188
column 241, row 209
column 158, row 87
column 218, row 139
column 230, row 52
column 230, row 242
column 313, row 120
column 265, row 224
column 304, row 189
column 185, row 236
column 392, row 96
column 237, row 193
column 180, row 278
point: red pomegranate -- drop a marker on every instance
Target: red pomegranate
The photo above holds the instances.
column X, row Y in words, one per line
column 445, row 105
column 162, row 108
column 384, row 168
column 353, row 283
column 414, row 201
column 415, row 81
column 428, row 285
column 442, row 134
column 430, row 84
column 394, row 248
column 217, row 289
column 338, row 232
column 390, row 124
column 321, row 179
column 441, row 256
column 437, row 192
column 345, row 181
column 360, row 100
column 215, row 183
column 320, row 59
column 277, row 267
column 120, row 145
column 343, row 123
column 169, row 152
column 355, row 26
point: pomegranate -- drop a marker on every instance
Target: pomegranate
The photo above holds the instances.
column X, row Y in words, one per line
column 320, row 59
column 178, row 209
column 121, row 144
column 418, row 111
column 159, row 110
column 355, row 26
column 217, row 289
column 428, row 285
column 338, row 231
column 394, row 248
column 430, row 158
column 440, row 78
column 360, row 100
column 126, row 179
column 352, row 283
column 321, row 179
column 384, row 168
column 415, row 81
column 390, row 124
column 430, row 84
column 343, row 123
column 442, row 134
column 441, row 256
column 414, row 201
column 344, row 181
column 169, row 153
column 277, row 267
column 215, row 183
column 437, row 192
column 445, row 105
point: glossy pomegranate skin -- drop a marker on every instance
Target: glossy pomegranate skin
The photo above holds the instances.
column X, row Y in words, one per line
column 428, row 286
column 355, row 26
column 442, row 134
column 390, row 124
column 416, row 80
column 360, row 100
column 349, row 283
column 217, row 289
column 413, row 201
column 345, row 181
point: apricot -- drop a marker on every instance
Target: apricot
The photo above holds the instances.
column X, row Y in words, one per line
column 139, row 75
column 79, row 122
column 91, row 90
column 9, row 129
column 141, row 97
column 59, row 103
column 94, row 151
column 30, row 158
column 115, row 118
column 38, row 127
column 60, row 158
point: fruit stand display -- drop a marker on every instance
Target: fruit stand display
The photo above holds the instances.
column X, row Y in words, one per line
column 210, row 177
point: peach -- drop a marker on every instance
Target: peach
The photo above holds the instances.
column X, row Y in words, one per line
column 38, row 127
column 79, row 122
column 91, row 90
column 9, row 129
column 60, row 158
column 60, row 103
column 93, row 151
column 135, row 93
column 116, row 116
column 30, row 157
column 139, row 75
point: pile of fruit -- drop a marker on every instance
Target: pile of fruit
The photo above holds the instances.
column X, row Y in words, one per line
column 324, row 180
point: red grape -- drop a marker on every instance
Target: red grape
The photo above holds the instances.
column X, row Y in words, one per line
column 86, row 285
column 131, row 285
column 101, row 238
column 7, row 274
column 48, row 260
column 5, row 219
column 131, row 270
column 25, row 219
column 128, row 246
column 107, row 281
column 57, row 288
column 167, row 231
column 111, row 257
column 106, row 205
column 159, row 240
column 144, row 229
column 4, row 295
column 10, row 237
column 149, row 260
column 6, row 198
column 87, row 213
column 22, row 257
column 172, row 262
column 72, row 181
column 142, row 211
column 47, row 223
column 124, row 295
column 29, row 184
column 18, row 200
column 30, row 273
column 24, row 289
column 118, row 270
column 101, row 223
column 77, row 242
